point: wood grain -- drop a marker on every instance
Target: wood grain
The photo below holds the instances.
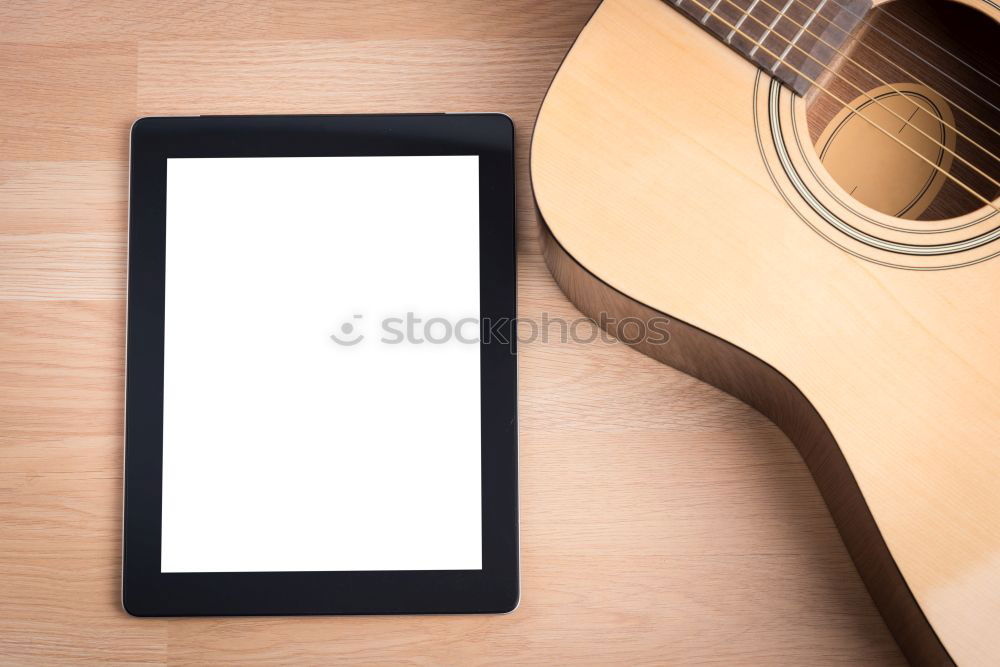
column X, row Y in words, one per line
column 661, row 520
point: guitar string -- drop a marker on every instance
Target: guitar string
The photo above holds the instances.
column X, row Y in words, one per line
column 881, row 129
column 906, row 121
column 932, row 42
column 856, row 38
column 805, row 27
column 913, row 53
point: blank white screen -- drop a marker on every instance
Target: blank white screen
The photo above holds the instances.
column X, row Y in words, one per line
column 282, row 450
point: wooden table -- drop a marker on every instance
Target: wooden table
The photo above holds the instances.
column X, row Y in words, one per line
column 661, row 520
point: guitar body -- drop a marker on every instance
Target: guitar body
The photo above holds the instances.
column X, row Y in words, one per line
column 674, row 177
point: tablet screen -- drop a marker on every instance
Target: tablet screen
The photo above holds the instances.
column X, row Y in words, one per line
column 321, row 401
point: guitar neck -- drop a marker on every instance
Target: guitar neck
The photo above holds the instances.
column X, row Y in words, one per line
column 793, row 40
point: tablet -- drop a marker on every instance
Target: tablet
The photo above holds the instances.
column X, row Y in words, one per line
column 321, row 373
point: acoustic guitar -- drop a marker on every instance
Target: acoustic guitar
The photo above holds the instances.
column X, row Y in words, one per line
column 808, row 189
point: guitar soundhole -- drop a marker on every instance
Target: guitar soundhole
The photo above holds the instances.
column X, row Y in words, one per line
column 928, row 72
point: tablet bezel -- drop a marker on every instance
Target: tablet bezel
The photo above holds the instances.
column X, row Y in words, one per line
column 146, row 591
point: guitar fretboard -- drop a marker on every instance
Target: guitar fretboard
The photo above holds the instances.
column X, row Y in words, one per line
column 793, row 40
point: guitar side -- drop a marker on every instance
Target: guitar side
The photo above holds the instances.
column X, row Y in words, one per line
column 656, row 199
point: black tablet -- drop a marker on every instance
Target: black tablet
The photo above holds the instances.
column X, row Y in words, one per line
column 321, row 380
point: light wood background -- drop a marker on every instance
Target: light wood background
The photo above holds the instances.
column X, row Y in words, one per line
column 661, row 520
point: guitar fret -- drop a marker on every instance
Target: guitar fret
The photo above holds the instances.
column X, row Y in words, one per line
column 710, row 11
column 791, row 40
column 798, row 34
column 770, row 27
column 736, row 28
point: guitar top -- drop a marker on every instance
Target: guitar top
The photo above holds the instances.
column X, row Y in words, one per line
column 809, row 190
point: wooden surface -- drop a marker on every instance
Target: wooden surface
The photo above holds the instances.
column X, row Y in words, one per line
column 661, row 520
